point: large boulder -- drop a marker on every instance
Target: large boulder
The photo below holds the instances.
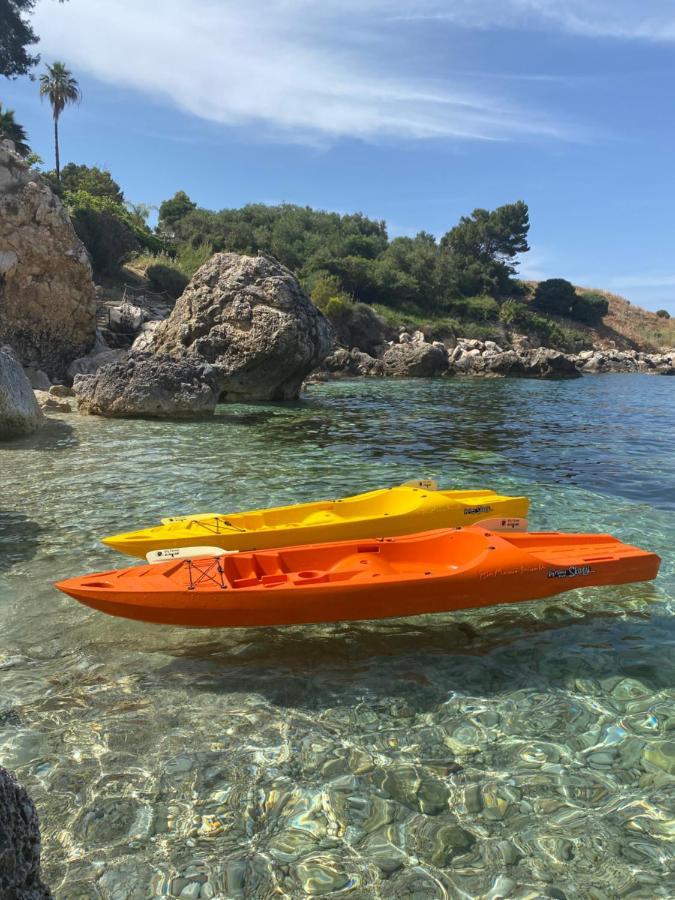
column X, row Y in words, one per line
column 47, row 301
column 415, row 359
column 19, row 411
column 248, row 317
column 20, row 877
column 149, row 388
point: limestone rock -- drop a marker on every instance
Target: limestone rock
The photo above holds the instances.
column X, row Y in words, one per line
column 61, row 390
column 149, row 388
column 20, row 877
column 415, row 360
column 143, row 342
column 601, row 361
column 476, row 358
column 544, row 363
column 88, row 365
column 351, row 364
column 19, row 411
column 47, row 301
column 49, row 403
column 248, row 317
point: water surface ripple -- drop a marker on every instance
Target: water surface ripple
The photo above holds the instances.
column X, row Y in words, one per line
column 517, row 752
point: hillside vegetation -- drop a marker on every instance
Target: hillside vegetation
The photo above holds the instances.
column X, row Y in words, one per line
column 465, row 283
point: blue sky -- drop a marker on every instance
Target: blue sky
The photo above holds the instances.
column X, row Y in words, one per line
column 412, row 112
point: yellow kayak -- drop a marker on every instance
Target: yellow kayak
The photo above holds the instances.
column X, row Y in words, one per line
column 406, row 509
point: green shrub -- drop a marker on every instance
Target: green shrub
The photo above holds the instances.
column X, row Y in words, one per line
column 475, row 309
column 663, row 313
column 107, row 230
column 550, row 333
column 166, row 279
column 555, row 295
column 589, row 307
column 188, row 258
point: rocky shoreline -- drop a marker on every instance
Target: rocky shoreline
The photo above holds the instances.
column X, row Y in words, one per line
column 414, row 356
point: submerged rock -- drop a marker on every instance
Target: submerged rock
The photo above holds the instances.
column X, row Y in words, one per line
column 152, row 388
column 20, row 877
column 47, row 300
column 249, row 319
column 19, row 410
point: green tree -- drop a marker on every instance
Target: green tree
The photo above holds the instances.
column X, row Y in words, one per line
column 95, row 181
column 173, row 210
column 58, row 84
column 477, row 255
column 555, row 295
column 663, row 313
column 11, row 130
column 16, row 35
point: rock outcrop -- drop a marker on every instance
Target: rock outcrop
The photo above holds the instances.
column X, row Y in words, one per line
column 415, row 359
column 249, row 319
column 19, row 411
column 20, row 877
column 47, row 300
column 602, row 361
column 149, row 388
column 473, row 357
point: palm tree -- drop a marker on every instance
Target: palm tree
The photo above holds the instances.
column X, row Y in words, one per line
column 58, row 84
column 12, row 131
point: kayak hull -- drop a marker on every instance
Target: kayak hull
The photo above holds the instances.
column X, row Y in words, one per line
column 385, row 513
column 439, row 571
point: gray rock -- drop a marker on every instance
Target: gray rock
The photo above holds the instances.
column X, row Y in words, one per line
column 19, row 411
column 539, row 363
column 89, row 365
column 415, row 360
column 47, row 306
column 143, row 342
column 354, row 363
column 149, row 388
column 248, row 317
column 20, row 877
column 544, row 363
column 38, row 379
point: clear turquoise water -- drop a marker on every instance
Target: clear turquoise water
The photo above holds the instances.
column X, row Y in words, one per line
column 514, row 752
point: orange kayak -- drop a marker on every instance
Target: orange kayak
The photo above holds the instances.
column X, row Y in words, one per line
column 436, row 571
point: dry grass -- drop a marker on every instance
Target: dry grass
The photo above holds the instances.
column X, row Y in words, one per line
column 626, row 326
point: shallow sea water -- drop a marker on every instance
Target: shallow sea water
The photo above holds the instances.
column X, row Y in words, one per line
column 521, row 752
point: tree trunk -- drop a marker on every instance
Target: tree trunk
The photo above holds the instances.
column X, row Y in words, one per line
column 56, row 148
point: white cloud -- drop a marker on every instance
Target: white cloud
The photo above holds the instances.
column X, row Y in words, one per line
column 310, row 70
column 317, row 70
column 637, row 19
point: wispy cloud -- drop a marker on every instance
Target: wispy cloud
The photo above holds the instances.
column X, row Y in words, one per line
column 633, row 19
column 303, row 69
